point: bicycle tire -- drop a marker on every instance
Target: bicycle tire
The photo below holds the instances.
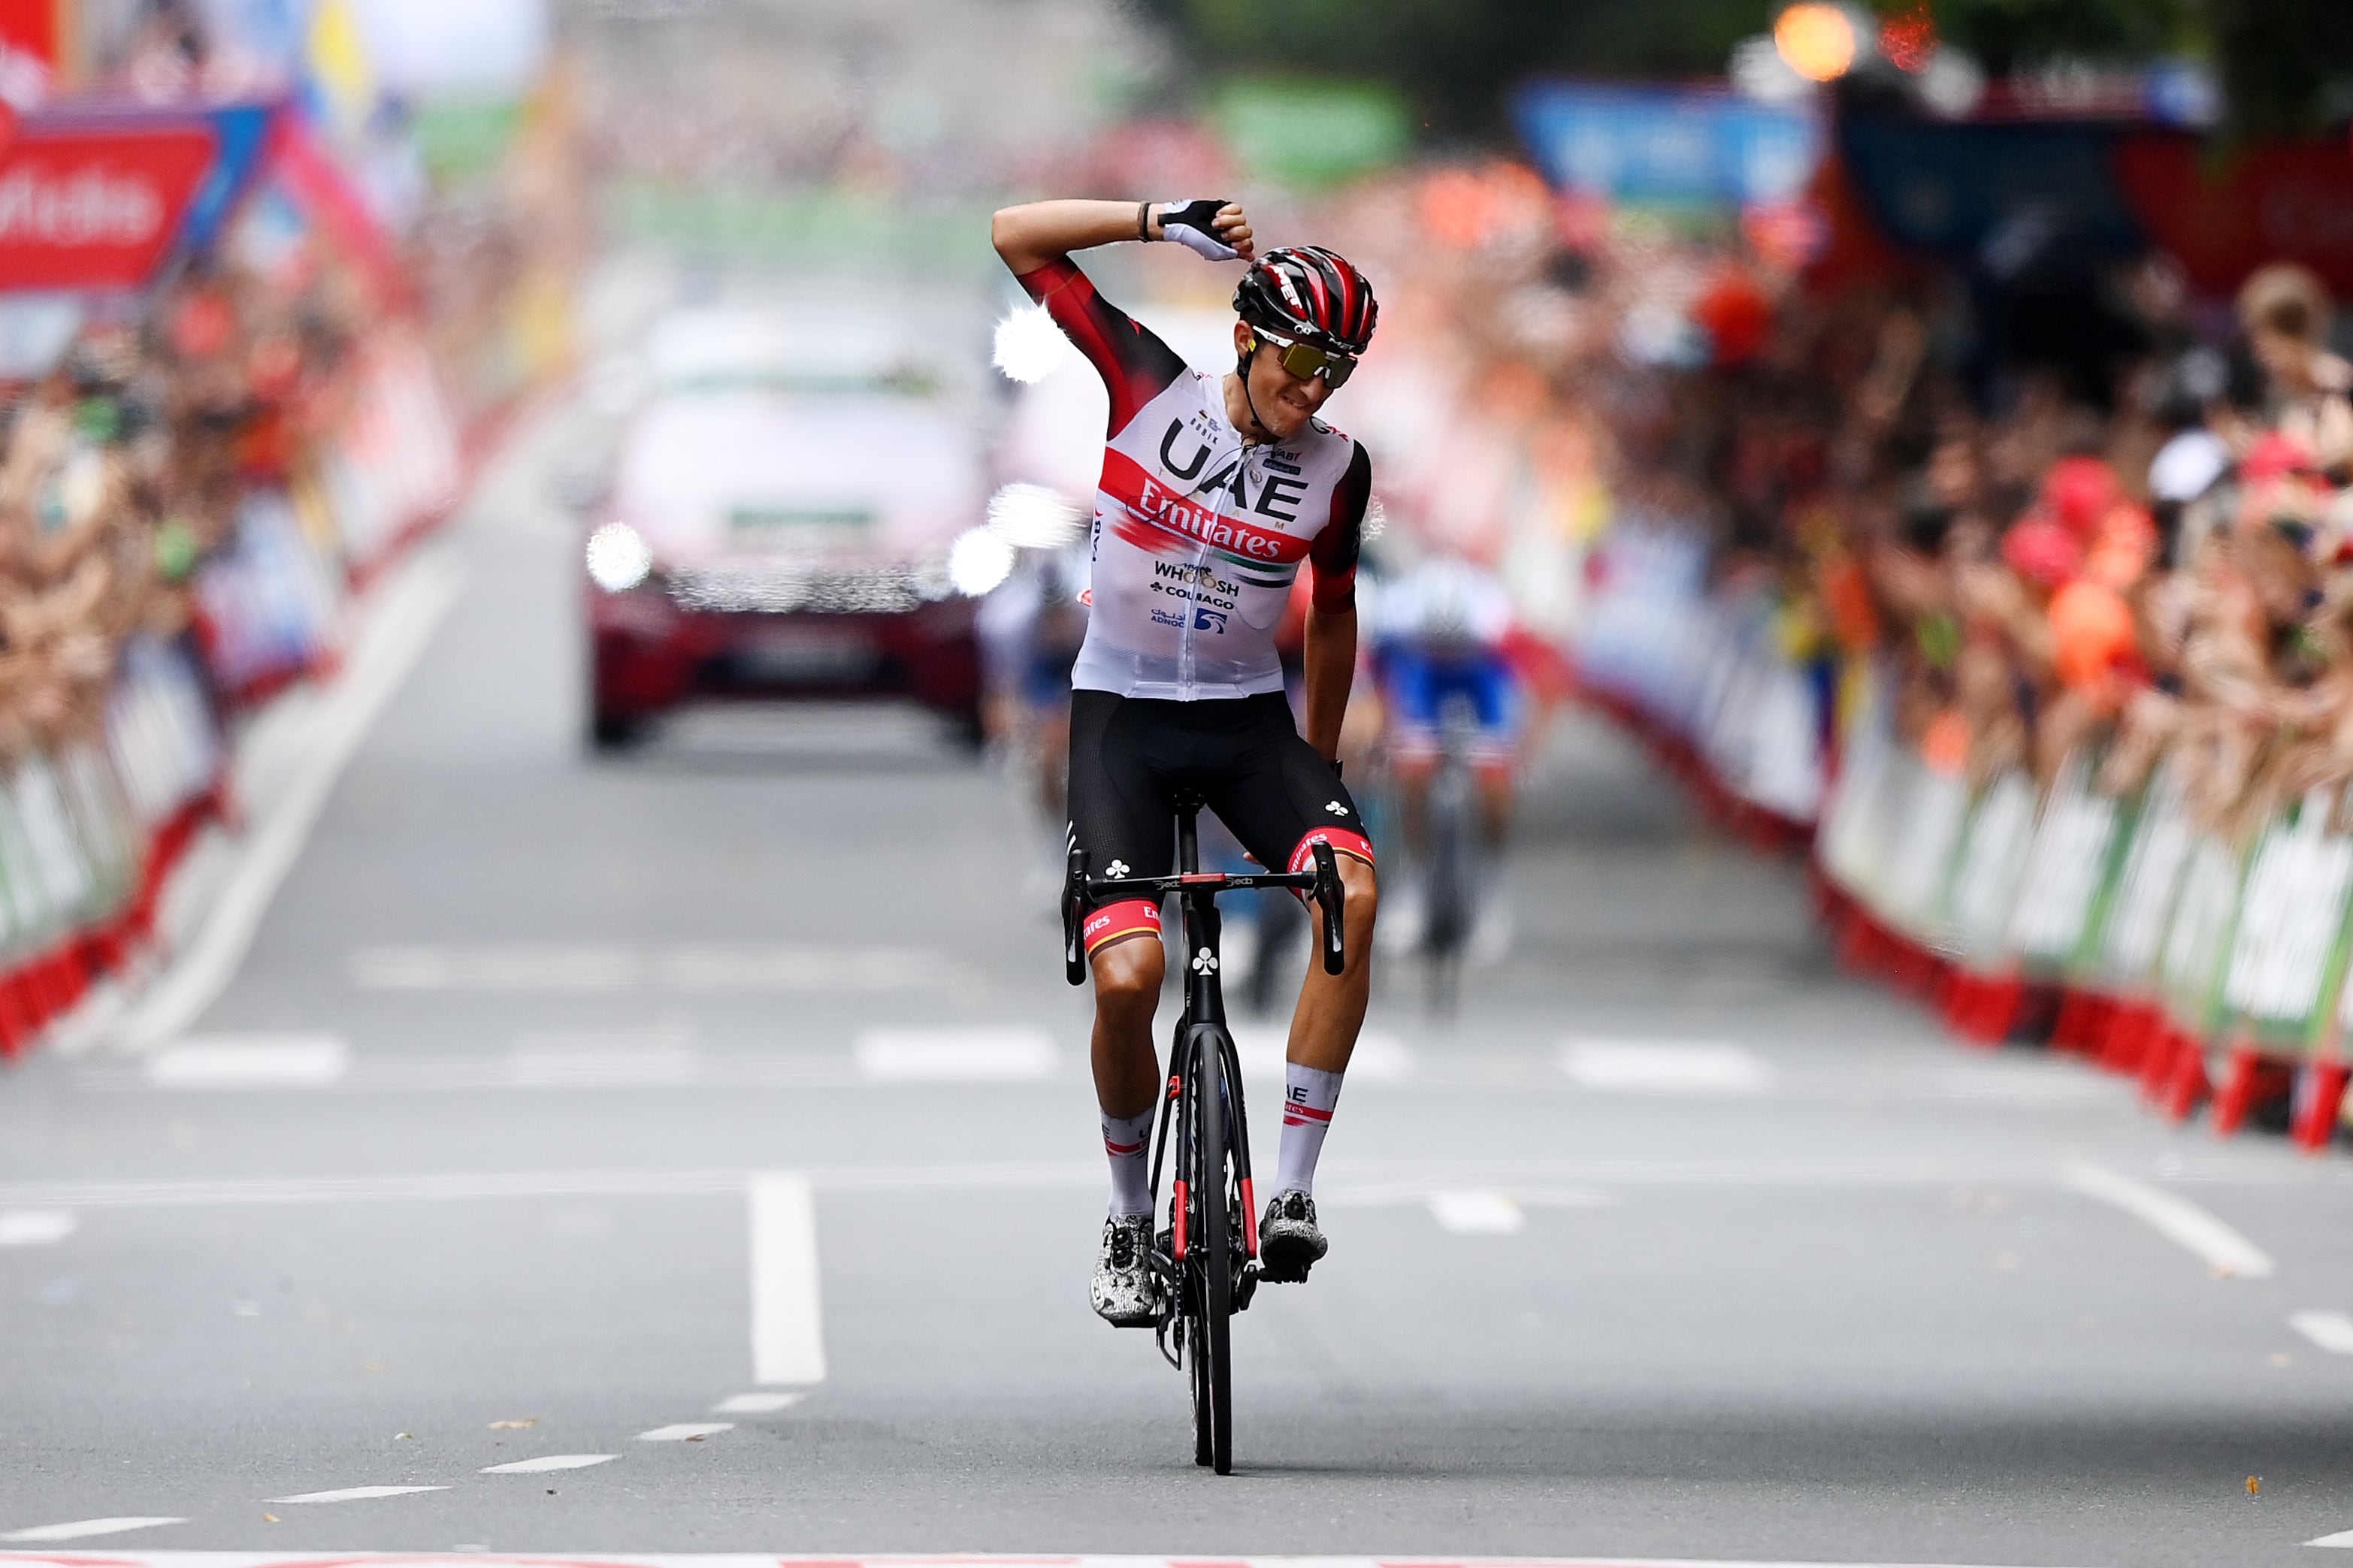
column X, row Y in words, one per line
column 1213, row 1405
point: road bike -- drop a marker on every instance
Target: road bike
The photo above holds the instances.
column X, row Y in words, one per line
column 1450, row 893
column 1205, row 1270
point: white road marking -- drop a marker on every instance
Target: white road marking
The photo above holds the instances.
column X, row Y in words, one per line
column 574, row 969
column 549, row 1462
column 1378, row 1057
column 2342, row 1538
column 962, row 1560
column 1410, row 1180
column 2176, row 1218
column 766, row 1404
column 76, row 1530
column 955, row 1056
column 1478, row 1212
column 787, row 1312
column 1665, row 1066
column 251, row 1061
column 2332, row 1332
column 36, row 1227
column 355, row 1494
column 397, row 628
column 685, row 1429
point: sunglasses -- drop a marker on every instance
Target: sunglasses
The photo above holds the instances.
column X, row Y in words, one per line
column 1304, row 359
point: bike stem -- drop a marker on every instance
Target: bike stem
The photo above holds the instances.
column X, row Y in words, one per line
column 1204, row 998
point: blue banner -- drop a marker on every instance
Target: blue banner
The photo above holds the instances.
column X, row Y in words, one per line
column 1969, row 191
column 1675, row 145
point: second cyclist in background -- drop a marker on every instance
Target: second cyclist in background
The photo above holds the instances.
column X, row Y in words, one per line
column 1441, row 630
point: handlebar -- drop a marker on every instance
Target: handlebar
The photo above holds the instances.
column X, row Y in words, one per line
column 1322, row 884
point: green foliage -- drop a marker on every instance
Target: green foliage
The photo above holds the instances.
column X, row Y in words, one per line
column 2285, row 65
column 1456, row 60
column 2007, row 34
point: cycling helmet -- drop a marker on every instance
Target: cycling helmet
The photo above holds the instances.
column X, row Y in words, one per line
column 1306, row 291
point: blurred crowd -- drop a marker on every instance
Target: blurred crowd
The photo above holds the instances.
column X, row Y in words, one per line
column 2117, row 530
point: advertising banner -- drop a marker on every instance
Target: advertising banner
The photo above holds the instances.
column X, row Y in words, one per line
column 97, row 206
column 1674, row 145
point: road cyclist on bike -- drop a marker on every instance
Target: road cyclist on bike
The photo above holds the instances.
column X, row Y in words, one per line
column 1440, row 631
column 1215, row 490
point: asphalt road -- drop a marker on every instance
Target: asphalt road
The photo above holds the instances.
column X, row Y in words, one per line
column 580, row 1099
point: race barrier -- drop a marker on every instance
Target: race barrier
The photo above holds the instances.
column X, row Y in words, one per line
column 2118, row 928
column 90, row 831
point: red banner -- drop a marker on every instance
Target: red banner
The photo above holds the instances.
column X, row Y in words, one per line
column 2225, row 216
column 96, row 207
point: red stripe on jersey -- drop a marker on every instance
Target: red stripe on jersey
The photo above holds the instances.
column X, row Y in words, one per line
column 1190, row 523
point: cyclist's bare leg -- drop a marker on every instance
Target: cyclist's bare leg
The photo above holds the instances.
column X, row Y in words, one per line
column 1495, row 793
column 1331, row 1006
column 1413, row 775
column 1127, row 988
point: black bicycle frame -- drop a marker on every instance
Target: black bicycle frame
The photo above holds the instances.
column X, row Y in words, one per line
column 1205, row 1003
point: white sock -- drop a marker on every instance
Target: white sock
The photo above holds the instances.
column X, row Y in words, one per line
column 1308, row 1096
column 1127, row 1140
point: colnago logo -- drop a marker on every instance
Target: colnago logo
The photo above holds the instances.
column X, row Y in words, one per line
column 94, row 205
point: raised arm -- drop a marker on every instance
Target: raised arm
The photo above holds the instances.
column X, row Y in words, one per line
column 1030, row 236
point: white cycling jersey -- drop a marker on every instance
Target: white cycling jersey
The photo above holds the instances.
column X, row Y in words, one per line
column 1198, row 533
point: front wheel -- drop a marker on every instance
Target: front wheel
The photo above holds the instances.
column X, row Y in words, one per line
column 1211, row 1258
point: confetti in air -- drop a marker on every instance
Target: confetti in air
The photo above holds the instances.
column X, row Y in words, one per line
column 1029, row 344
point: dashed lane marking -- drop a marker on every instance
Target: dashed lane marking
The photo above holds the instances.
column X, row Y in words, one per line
column 1478, row 1212
column 355, row 1494
column 251, row 1061
column 955, row 1056
column 2332, row 1332
column 685, row 1430
column 2177, row 1219
column 1398, row 1180
column 787, row 1315
column 1665, row 1066
column 549, row 1462
column 76, row 1530
column 763, row 1404
column 36, row 1227
column 481, row 1558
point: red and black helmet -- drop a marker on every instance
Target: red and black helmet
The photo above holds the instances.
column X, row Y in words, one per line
column 1306, row 291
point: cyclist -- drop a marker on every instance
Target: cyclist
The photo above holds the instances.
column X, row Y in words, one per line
column 1442, row 630
column 1214, row 490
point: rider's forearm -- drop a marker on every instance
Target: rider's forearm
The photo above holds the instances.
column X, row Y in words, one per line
column 1030, row 236
column 1331, row 670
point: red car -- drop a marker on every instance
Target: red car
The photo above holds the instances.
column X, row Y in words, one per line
column 792, row 514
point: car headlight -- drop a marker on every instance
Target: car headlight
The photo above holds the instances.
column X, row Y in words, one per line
column 619, row 559
column 979, row 561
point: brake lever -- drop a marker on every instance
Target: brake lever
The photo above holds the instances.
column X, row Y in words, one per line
column 1328, row 897
column 1074, row 903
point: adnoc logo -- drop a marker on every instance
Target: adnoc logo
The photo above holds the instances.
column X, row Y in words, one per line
column 93, row 205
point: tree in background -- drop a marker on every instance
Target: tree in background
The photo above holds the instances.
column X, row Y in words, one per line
column 2284, row 66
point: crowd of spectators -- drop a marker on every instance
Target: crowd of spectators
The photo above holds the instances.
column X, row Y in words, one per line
column 2105, row 527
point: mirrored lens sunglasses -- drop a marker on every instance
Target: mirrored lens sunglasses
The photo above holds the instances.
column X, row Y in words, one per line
column 1304, row 359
